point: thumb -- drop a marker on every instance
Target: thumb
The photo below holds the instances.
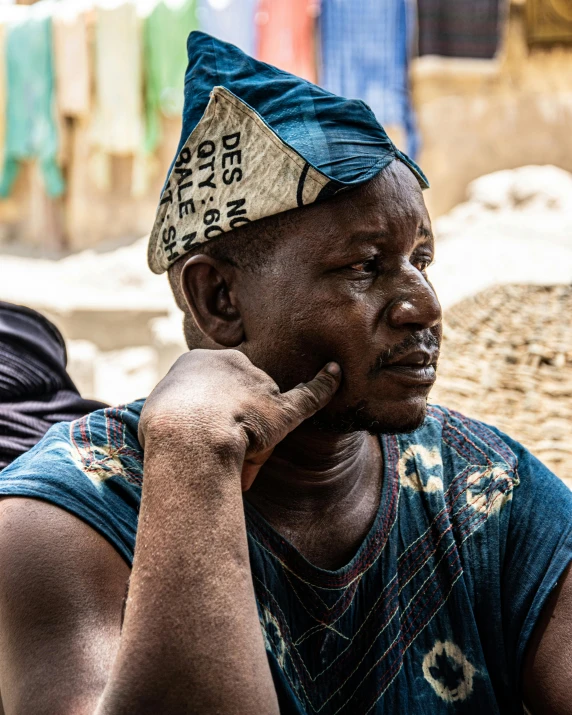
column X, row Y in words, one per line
column 306, row 399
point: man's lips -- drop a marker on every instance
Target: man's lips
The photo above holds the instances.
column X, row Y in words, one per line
column 416, row 358
column 415, row 368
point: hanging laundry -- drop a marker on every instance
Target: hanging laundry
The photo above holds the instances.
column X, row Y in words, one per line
column 118, row 121
column 459, row 28
column 165, row 56
column 230, row 21
column 71, row 59
column 286, row 31
column 8, row 13
column 31, row 131
column 2, row 87
column 117, row 127
column 366, row 47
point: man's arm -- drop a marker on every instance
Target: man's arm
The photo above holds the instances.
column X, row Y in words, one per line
column 547, row 673
column 207, row 429
column 191, row 640
column 62, row 587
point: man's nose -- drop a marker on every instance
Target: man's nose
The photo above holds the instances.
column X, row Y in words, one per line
column 416, row 305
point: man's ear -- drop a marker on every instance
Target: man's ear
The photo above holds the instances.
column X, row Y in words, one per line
column 205, row 284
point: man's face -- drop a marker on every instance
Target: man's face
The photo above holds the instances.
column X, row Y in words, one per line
column 348, row 284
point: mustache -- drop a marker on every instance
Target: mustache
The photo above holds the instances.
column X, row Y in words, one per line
column 428, row 340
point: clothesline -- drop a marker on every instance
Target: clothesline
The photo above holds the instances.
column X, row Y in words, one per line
column 118, row 67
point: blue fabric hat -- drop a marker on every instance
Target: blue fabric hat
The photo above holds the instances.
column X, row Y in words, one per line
column 257, row 141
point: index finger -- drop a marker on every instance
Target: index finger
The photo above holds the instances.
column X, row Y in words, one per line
column 306, row 399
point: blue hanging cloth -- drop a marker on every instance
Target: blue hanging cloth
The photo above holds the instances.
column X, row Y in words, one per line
column 230, row 20
column 31, row 131
column 365, row 55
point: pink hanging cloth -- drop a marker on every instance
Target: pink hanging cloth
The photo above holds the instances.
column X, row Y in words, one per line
column 286, row 35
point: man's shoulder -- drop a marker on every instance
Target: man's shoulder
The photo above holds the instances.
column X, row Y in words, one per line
column 449, row 444
column 92, row 468
column 469, row 436
column 102, row 444
column 105, row 444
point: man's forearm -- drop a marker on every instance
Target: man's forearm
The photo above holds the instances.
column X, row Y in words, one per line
column 191, row 640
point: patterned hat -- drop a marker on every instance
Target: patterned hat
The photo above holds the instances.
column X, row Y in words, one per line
column 257, row 141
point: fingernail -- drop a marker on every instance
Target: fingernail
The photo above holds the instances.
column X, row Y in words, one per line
column 333, row 368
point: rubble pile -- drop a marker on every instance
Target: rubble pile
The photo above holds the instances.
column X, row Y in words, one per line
column 515, row 227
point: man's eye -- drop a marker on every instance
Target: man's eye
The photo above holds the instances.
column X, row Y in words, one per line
column 365, row 267
column 422, row 264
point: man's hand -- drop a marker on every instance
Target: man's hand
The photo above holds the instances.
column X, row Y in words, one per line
column 191, row 637
column 219, row 395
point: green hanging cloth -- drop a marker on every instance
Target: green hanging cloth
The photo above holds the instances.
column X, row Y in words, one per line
column 165, row 56
column 31, row 131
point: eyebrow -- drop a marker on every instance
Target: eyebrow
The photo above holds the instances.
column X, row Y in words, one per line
column 425, row 232
column 361, row 236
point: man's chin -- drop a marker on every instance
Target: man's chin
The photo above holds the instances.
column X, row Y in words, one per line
column 398, row 417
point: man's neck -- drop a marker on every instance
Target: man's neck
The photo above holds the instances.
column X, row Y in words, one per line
column 321, row 491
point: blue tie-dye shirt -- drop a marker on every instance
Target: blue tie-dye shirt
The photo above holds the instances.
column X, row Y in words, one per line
column 433, row 613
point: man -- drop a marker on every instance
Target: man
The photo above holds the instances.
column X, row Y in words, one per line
column 311, row 537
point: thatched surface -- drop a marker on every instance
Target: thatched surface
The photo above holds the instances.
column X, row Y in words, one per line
column 507, row 360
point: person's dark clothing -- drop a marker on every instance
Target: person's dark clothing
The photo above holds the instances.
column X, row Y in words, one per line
column 36, row 392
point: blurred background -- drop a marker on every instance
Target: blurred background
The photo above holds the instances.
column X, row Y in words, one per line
column 479, row 92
